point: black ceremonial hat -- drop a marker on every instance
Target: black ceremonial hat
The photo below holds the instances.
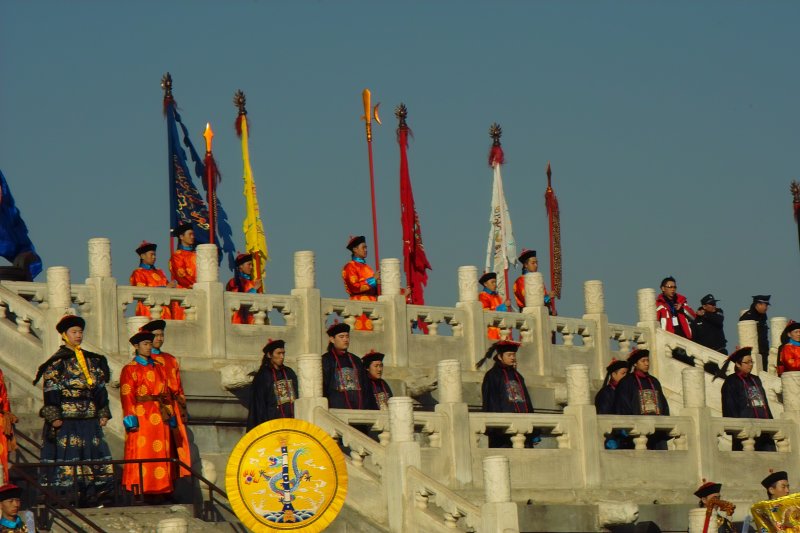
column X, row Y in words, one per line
column 740, row 354
column 243, row 258
column 355, row 241
column 371, row 357
column 338, row 327
column 181, row 229
column 70, row 321
column 637, row 354
column 273, row 345
column 146, row 247
column 486, row 277
column 616, row 364
column 141, row 336
column 773, row 478
column 707, row 488
column 154, row 325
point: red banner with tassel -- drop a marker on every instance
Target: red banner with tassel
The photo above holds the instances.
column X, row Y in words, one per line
column 554, row 224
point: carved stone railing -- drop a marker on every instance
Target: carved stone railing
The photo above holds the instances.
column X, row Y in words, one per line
column 518, row 426
column 364, row 451
column 261, row 305
column 434, row 317
column 455, row 512
column 642, row 427
column 350, row 310
column 749, row 429
column 627, row 337
column 16, row 309
column 154, row 298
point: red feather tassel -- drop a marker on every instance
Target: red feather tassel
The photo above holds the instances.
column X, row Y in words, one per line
column 238, row 126
column 496, row 155
column 168, row 101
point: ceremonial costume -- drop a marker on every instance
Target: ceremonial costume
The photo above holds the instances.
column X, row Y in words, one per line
column 14, row 522
column 343, row 377
column 519, row 284
column 273, row 391
column 183, row 267
column 359, row 282
column 492, row 301
column 503, row 391
column 640, row 393
column 676, row 322
column 242, row 282
column 761, row 327
column 789, row 352
column 172, row 371
column 743, row 396
column 604, row 399
column 377, row 387
column 722, row 523
column 7, row 420
column 150, row 423
column 148, row 276
column 75, row 393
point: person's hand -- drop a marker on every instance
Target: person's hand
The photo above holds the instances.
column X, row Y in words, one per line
column 57, row 423
column 258, row 283
column 508, row 303
column 172, row 284
column 701, row 312
column 678, row 306
column 103, row 422
column 377, row 276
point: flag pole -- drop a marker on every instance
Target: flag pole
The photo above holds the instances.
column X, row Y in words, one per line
column 369, row 114
column 210, row 179
column 795, row 188
column 166, row 85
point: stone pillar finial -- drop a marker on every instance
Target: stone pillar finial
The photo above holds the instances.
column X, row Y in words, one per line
column 99, row 257
column 59, row 291
column 207, row 265
column 135, row 323
column 401, row 419
column 578, row 385
column 304, row 270
column 791, row 392
column 309, row 375
column 776, row 327
column 646, row 299
column 448, row 376
column 534, row 289
column 694, row 387
column 748, row 336
column 496, row 479
column 594, row 300
column 697, row 520
column 390, row 276
column 467, row 284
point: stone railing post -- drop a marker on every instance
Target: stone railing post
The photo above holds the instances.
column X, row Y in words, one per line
column 59, row 303
column 646, row 300
column 456, row 438
column 309, row 381
column 498, row 513
column 401, row 452
column 748, row 336
column 578, row 385
column 594, row 303
column 309, row 312
column 776, row 326
column 585, row 435
column 134, row 324
column 474, row 329
column 790, row 382
column 397, row 327
column 697, row 519
column 646, row 303
column 694, row 405
column 212, row 318
column 104, row 315
column 542, row 333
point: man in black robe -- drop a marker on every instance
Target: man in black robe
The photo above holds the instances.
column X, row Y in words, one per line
column 344, row 380
column 743, row 396
column 503, row 389
column 640, row 393
column 604, row 404
column 758, row 313
column 373, row 362
column 274, row 387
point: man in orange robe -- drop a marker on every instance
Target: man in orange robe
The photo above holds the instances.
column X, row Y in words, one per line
column 147, row 275
column 360, row 281
column 491, row 300
column 7, row 420
column 183, row 264
column 242, row 281
column 149, row 421
column 529, row 263
column 178, row 398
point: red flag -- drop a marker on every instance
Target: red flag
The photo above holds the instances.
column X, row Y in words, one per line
column 415, row 261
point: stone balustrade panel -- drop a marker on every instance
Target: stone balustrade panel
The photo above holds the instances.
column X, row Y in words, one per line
column 574, row 344
column 519, row 326
column 626, row 338
column 365, row 452
column 435, row 507
column 20, row 313
column 441, row 321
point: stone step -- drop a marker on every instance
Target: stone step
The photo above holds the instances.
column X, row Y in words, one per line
column 145, row 519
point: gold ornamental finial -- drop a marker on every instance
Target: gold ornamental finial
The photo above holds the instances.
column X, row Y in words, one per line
column 401, row 112
column 795, row 188
column 369, row 112
column 239, row 100
column 208, row 134
column 549, row 175
column 166, row 85
column 495, row 132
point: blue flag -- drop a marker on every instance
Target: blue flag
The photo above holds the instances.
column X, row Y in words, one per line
column 186, row 204
column 14, row 238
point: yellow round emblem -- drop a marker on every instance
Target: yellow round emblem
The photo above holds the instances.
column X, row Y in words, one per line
column 286, row 475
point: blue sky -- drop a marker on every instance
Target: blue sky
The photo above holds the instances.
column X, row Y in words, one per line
column 671, row 128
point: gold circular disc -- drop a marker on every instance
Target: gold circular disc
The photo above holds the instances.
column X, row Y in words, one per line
column 286, row 475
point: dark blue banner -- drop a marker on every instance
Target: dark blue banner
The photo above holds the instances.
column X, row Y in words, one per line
column 14, row 240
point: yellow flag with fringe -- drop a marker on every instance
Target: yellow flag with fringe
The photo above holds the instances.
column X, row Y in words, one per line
column 254, row 237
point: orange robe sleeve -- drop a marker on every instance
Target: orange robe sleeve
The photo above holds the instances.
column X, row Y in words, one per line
column 519, row 292
column 7, row 442
column 490, row 301
column 183, row 266
column 355, row 276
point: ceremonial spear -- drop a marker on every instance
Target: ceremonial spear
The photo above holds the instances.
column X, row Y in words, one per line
column 795, row 188
column 369, row 114
column 212, row 177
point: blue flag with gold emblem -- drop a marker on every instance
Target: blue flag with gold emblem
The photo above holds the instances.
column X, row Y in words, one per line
column 15, row 245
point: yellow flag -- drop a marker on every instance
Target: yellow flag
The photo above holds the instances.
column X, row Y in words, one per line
column 254, row 239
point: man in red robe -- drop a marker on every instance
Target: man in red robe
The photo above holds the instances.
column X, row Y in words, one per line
column 491, row 300
column 530, row 263
column 242, row 281
column 172, row 370
column 147, row 275
column 183, row 264
column 360, row 281
column 8, row 442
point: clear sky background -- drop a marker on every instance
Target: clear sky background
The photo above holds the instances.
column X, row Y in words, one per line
column 672, row 128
